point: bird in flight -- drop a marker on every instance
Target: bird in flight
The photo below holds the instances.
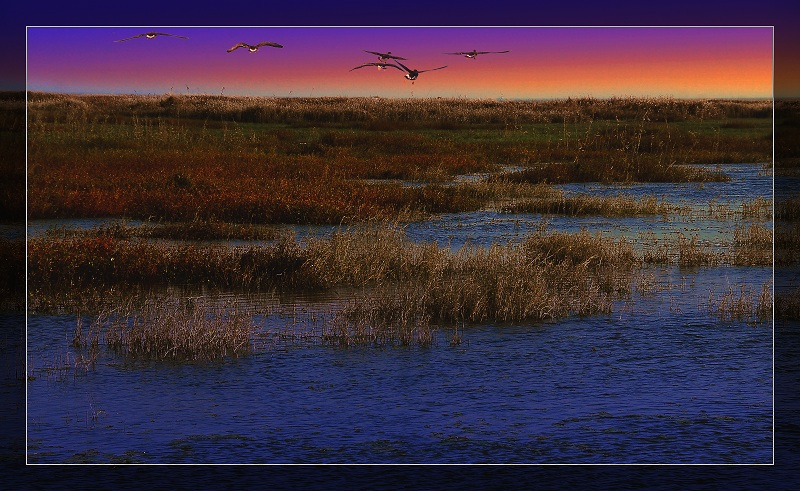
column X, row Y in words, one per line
column 413, row 74
column 150, row 35
column 410, row 74
column 384, row 57
column 474, row 53
column 381, row 66
column 254, row 48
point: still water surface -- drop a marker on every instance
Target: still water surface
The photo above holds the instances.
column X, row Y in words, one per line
column 657, row 381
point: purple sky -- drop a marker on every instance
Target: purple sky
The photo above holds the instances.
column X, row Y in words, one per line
column 542, row 63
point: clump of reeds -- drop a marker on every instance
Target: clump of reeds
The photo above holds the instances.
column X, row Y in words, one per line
column 195, row 229
column 752, row 245
column 743, row 305
column 546, row 276
column 584, row 204
column 178, row 329
column 610, row 171
column 692, row 252
column 380, row 319
column 87, row 343
column 759, row 208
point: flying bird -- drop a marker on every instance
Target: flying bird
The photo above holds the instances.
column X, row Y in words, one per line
column 410, row 74
column 383, row 57
column 413, row 74
column 474, row 53
column 381, row 66
column 150, row 35
column 254, row 48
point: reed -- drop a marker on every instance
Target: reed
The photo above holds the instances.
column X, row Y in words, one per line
column 693, row 253
column 744, row 305
column 752, row 245
column 12, row 274
column 584, row 205
column 547, row 276
column 759, row 209
column 195, row 230
column 178, row 329
column 409, row 286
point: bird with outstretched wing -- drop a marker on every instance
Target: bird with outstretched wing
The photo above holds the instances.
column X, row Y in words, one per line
column 254, row 47
column 150, row 35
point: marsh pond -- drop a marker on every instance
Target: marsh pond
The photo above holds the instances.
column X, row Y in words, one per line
column 272, row 287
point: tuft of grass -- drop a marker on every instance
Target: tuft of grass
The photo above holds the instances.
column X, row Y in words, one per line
column 752, row 245
column 744, row 305
column 693, row 253
column 583, row 205
column 178, row 329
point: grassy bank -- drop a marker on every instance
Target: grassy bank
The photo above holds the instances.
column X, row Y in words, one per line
column 270, row 160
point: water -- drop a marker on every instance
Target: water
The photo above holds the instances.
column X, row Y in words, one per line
column 659, row 380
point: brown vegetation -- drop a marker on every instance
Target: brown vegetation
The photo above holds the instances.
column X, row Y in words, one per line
column 268, row 160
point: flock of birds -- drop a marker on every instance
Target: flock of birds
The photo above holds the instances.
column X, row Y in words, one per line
column 385, row 60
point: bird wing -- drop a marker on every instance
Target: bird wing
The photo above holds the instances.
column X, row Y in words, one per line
column 240, row 45
column 268, row 43
column 385, row 55
column 484, row 52
column 459, row 53
column 404, row 67
column 432, row 69
column 375, row 64
column 173, row 35
column 132, row 37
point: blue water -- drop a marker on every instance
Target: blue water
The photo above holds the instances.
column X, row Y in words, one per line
column 659, row 380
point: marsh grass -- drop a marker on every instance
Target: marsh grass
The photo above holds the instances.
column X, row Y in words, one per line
column 694, row 253
column 742, row 305
column 296, row 160
column 195, row 230
column 611, row 171
column 758, row 209
column 584, row 204
column 547, row 276
column 680, row 249
column 404, row 290
column 752, row 245
column 177, row 329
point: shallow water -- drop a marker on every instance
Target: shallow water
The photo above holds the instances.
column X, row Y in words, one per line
column 659, row 380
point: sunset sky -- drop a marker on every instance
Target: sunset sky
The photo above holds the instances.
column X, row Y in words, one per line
column 544, row 62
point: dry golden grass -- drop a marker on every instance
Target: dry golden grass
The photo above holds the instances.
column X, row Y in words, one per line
column 744, row 305
column 584, row 204
column 693, row 253
column 752, row 245
column 178, row 329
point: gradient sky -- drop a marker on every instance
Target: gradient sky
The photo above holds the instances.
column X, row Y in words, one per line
column 546, row 62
